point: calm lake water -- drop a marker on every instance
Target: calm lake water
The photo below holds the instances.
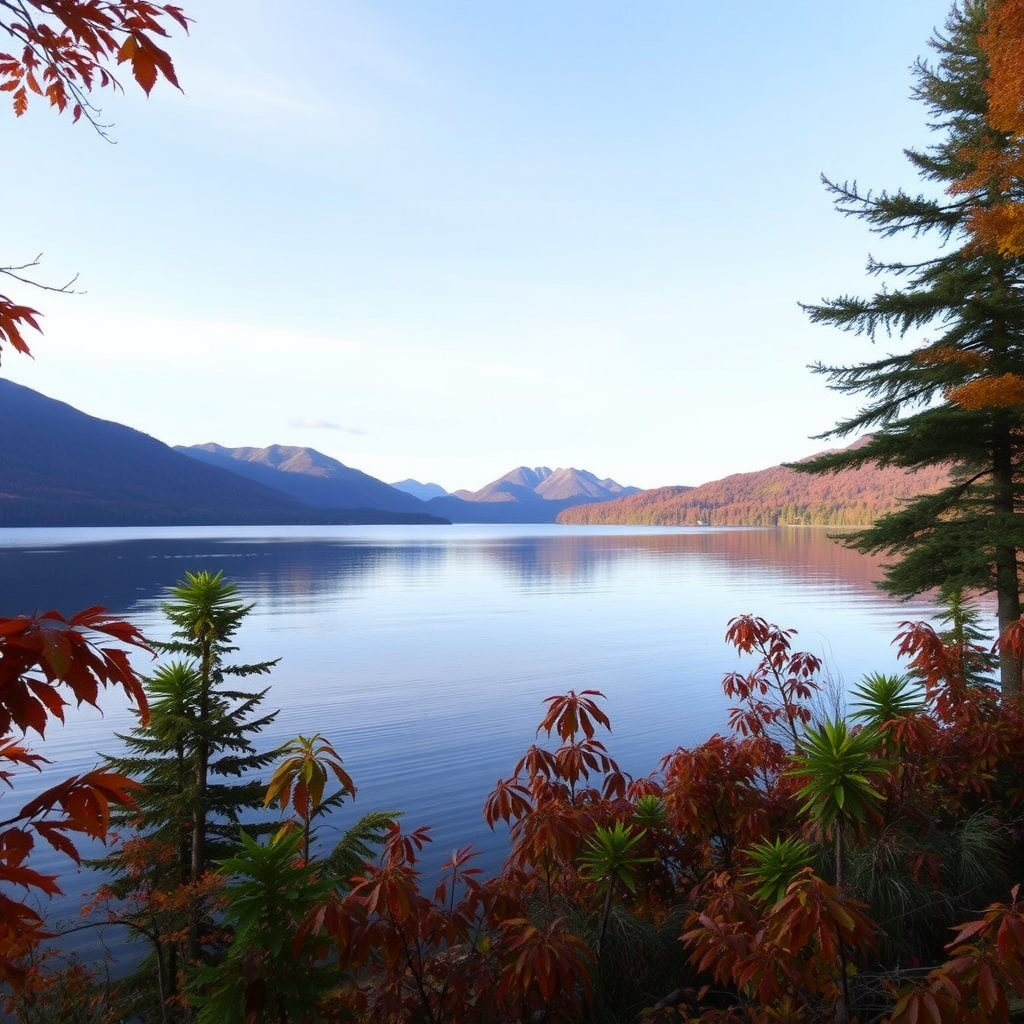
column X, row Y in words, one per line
column 424, row 653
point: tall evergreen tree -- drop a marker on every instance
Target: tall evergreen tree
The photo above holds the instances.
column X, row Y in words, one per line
column 956, row 399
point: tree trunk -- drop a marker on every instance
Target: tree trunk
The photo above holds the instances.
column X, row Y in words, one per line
column 202, row 766
column 199, row 803
column 842, row 1009
column 1007, row 575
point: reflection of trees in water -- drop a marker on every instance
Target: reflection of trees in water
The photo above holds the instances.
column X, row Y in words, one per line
column 803, row 552
column 307, row 569
column 123, row 575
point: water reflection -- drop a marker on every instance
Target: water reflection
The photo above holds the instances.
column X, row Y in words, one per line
column 797, row 552
column 121, row 574
column 425, row 653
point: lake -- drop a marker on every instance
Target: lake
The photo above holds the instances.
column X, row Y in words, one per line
column 424, row 653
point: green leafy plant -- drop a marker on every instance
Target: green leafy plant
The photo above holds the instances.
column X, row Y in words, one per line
column 197, row 758
column 649, row 811
column 271, row 971
column 359, row 844
column 881, row 698
column 776, row 863
column 836, row 764
column 610, row 858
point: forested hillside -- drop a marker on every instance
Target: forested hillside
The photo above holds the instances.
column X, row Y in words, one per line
column 771, row 497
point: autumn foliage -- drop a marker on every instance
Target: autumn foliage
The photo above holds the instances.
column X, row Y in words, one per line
column 778, row 496
column 1001, row 225
column 45, row 660
column 999, row 164
column 598, row 860
column 69, row 47
column 62, row 51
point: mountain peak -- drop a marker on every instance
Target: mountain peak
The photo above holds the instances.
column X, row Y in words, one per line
column 523, row 476
column 284, row 457
column 308, row 476
column 420, row 490
column 541, row 483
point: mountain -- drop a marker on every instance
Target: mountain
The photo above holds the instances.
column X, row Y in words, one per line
column 422, row 491
column 770, row 497
column 527, row 485
column 308, row 476
column 563, row 484
column 525, row 495
column 62, row 467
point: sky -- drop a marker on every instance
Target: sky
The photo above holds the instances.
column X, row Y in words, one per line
column 441, row 240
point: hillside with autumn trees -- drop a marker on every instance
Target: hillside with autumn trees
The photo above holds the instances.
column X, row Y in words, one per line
column 778, row 496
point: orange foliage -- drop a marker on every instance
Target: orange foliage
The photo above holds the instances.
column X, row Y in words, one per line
column 1001, row 164
column 949, row 355
column 986, row 963
column 1003, row 392
column 510, row 948
column 66, row 49
column 39, row 656
column 1001, row 227
column 1003, row 43
column 69, row 46
column 770, row 497
column 541, row 964
column 797, row 949
column 13, row 320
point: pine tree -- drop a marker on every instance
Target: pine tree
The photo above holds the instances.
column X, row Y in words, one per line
column 206, row 614
column 961, row 630
column 957, row 400
column 197, row 760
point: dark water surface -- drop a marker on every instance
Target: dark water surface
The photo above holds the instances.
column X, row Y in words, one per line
column 424, row 653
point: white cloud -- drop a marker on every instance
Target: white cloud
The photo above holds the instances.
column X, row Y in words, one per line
column 313, row 423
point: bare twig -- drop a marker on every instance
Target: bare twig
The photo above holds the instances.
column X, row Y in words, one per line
column 13, row 271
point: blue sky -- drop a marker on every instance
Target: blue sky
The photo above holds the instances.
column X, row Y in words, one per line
column 444, row 239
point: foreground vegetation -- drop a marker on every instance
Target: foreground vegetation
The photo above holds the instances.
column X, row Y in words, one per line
column 806, row 866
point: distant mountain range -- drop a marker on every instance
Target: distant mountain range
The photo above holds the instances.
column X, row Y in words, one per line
column 307, row 476
column 526, row 485
column 422, row 491
column 61, row 467
column 525, row 495
column 770, row 497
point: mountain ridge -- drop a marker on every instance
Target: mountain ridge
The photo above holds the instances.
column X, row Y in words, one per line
column 527, row 495
column 776, row 496
column 306, row 475
column 60, row 466
column 419, row 490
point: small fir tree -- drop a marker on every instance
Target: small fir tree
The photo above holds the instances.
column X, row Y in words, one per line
column 197, row 759
column 206, row 615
